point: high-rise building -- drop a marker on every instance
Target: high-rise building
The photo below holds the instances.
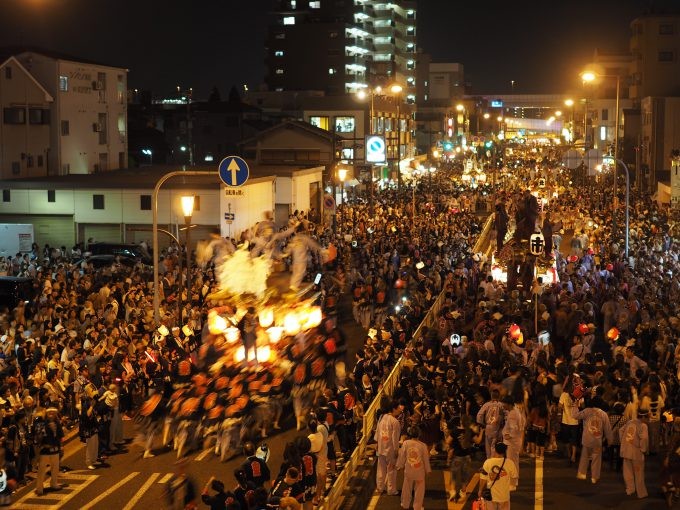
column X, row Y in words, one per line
column 655, row 50
column 342, row 46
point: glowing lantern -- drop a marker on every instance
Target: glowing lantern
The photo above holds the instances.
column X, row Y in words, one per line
column 240, row 354
column 496, row 273
column 399, row 284
column 520, row 339
column 163, row 330
column 613, row 334
column 572, row 258
column 216, row 323
column 314, row 317
column 275, row 333
column 266, row 317
column 232, row 334
column 514, row 331
column 583, row 329
column 291, row 323
column 263, row 354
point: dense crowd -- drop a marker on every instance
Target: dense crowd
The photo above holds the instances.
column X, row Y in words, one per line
column 596, row 359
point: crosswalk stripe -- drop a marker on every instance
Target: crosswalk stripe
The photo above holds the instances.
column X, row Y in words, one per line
column 203, row 454
column 110, row 490
column 165, row 478
column 138, row 495
column 45, row 502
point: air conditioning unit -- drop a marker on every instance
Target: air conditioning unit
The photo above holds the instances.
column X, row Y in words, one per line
column 97, row 128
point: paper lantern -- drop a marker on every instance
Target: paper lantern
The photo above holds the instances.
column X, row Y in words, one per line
column 266, row 317
column 572, row 258
column 520, row 339
column 314, row 317
column 291, row 323
column 187, row 330
column 163, row 330
column 240, row 354
column 216, row 323
column 399, row 284
column 583, row 329
column 232, row 334
column 613, row 334
column 275, row 333
column 263, row 354
column 514, row 331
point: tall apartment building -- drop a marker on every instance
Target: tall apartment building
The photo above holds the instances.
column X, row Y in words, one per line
column 655, row 50
column 87, row 112
column 342, row 46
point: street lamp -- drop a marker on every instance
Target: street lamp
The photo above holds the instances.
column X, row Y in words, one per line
column 590, row 76
column 188, row 211
column 570, row 104
column 342, row 175
column 396, row 90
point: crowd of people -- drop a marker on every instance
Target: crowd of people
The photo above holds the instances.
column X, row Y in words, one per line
column 594, row 368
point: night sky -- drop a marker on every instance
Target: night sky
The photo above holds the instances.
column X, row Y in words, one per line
column 206, row 43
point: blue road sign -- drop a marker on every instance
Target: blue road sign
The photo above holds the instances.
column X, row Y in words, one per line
column 234, row 171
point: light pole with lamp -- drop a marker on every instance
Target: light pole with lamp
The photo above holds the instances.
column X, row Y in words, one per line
column 396, row 90
column 589, row 77
column 188, row 211
column 361, row 95
column 342, row 175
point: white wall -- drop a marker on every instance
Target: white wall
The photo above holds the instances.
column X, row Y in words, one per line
column 257, row 197
column 300, row 189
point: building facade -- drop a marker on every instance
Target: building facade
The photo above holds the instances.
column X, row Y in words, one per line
column 342, row 46
column 660, row 138
column 25, row 127
column 88, row 116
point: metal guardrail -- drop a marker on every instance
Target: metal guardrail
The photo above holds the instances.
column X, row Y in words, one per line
column 335, row 497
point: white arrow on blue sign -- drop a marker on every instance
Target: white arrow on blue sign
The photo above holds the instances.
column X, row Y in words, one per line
column 234, row 171
column 229, row 216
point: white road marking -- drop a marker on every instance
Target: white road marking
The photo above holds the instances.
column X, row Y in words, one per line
column 374, row 502
column 538, row 498
column 165, row 478
column 61, row 497
column 138, row 495
column 110, row 491
column 203, row 454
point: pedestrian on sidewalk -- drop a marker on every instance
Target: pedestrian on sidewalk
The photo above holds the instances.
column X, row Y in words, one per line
column 634, row 436
column 414, row 459
column 387, row 435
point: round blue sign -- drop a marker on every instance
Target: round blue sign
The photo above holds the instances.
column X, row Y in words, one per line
column 234, row 171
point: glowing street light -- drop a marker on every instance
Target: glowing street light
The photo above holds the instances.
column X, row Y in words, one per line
column 486, row 115
column 460, row 107
column 188, row 211
column 588, row 76
column 569, row 102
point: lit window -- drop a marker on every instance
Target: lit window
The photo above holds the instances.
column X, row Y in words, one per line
column 293, row 4
column 315, row 5
column 320, row 122
column 344, row 124
column 411, row 30
column 410, row 46
column 332, row 70
column 278, row 53
column 603, row 133
column 63, row 83
column 289, row 20
column 279, row 71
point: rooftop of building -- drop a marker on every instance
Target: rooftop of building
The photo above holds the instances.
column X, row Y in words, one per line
column 13, row 51
column 145, row 177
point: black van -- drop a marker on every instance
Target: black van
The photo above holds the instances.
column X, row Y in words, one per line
column 14, row 289
column 132, row 251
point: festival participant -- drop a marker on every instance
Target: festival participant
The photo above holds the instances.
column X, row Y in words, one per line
column 634, row 439
column 414, row 459
column 596, row 428
column 387, row 436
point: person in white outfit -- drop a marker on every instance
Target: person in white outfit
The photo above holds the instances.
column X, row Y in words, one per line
column 634, row 438
column 387, row 435
column 513, row 431
column 414, row 459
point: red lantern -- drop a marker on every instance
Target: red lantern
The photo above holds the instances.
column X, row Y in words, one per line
column 572, row 258
column 583, row 329
column 514, row 331
column 399, row 284
column 610, row 267
column 613, row 334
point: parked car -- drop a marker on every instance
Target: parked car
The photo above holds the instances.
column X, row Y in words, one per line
column 133, row 251
column 100, row 261
column 14, row 289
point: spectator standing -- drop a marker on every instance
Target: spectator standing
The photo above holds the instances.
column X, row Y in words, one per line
column 414, row 459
